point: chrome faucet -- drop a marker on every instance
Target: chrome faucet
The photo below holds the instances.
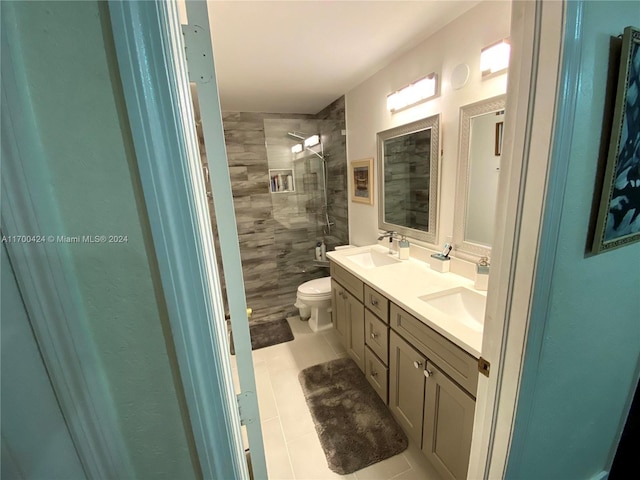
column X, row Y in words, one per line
column 391, row 234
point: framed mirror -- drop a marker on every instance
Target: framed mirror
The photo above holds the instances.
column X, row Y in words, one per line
column 408, row 179
column 479, row 155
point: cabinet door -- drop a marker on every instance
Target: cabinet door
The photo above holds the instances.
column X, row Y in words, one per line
column 355, row 329
column 406, row 386
column 338, row 310
column 448, row 424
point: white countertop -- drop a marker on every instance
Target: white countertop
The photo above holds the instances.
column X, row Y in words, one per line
column 404, row 282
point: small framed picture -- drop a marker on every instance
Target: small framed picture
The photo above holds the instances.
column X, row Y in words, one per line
column 362, row 181
column 618, row 221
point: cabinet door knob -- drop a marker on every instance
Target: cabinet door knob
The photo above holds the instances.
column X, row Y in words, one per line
column 374, row 374
column 417, row 364
column 427, row 373
column 373, row 301
column 374, row 335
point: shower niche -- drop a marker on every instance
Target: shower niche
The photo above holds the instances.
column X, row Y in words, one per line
column 281, row 180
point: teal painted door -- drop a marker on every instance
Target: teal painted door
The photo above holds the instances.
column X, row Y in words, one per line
column 36, row 443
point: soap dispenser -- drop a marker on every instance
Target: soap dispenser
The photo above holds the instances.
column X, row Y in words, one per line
column 482, row 274
column 403, row 248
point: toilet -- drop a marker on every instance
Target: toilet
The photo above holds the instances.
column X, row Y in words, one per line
column 314, row 303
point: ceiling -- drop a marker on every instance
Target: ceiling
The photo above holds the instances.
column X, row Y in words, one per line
column 299, row 56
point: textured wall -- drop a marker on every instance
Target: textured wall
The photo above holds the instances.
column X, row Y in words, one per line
column 332, row 124
column 68, row 55
column 278, row 231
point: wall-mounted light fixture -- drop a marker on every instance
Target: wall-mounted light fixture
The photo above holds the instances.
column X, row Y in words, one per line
column 311, row 141
column 417, row 92
column 297, row 148
column 495, row 58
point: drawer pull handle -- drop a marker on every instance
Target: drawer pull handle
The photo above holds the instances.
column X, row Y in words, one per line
column 428, row 373
column 373, row 301
column 417, row 364
column 374, row 374
column 374, row 335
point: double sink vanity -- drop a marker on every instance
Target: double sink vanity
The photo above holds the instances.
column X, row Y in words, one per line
column 416, row 334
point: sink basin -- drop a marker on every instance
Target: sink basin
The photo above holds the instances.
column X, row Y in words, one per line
column 372, row 259
column 463, row 304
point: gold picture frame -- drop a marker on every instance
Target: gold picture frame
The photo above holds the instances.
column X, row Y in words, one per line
column 361, row 172
column 618, row 221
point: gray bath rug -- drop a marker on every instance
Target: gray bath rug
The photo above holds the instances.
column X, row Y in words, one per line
column 354, row 426
column 267, row 334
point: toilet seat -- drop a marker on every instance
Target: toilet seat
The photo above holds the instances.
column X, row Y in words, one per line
column 318, row 288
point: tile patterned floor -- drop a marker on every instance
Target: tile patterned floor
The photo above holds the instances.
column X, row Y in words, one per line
column 291, row 444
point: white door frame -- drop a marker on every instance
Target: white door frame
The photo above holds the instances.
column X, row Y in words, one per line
column 541, row 98
column 153, row 68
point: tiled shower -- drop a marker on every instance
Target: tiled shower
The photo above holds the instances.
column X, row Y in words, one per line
column 278, row 231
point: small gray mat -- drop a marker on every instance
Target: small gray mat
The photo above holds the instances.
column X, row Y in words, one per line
column 354, row 426
column 267, row 334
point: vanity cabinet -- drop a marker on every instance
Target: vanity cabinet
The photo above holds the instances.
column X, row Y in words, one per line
column 432, row 392
column 339, row 310
column 376, row 337
column 406, row 386
column 363, row 331
column 448, row 424
column 354, row 313
column 347, row 312
column 428, row 382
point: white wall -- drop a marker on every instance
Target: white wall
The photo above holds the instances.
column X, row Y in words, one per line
column 366, row 112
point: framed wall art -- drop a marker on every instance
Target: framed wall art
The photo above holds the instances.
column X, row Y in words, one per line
column 362, row 181
column 618, row 221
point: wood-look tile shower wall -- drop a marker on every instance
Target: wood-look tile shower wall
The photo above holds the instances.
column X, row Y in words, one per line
column 277, row 254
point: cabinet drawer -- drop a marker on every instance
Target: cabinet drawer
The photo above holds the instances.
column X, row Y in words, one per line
column 377, row 303
column 377, row 374
column 347, row 280
column 451, row 359
column 376, row 335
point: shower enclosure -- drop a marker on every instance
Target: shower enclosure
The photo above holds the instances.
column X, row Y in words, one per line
column 301, row 212
column 279, row 226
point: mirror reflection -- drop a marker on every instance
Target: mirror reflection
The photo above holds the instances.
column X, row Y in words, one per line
column 481, row 128
column 407, row 175
column 484, row 172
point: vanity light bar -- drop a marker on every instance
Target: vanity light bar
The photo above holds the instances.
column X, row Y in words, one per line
column 495, row 58
column 297, row 148
column 418, row 91
column 311, row 141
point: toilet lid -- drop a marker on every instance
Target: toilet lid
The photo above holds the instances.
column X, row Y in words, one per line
column 320, row 286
